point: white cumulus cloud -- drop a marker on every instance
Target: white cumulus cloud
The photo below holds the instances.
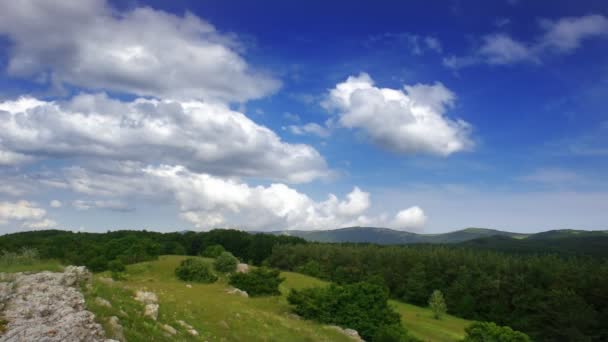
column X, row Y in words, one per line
column 143, row 51
column 209, row 202
column 409, row 120
column 24, row 213
column 410, row 218
column 206, row 137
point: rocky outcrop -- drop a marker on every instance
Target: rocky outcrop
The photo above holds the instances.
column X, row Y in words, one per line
column 47, row 306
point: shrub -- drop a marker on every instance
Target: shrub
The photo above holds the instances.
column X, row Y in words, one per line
column 437, row 304
column 116, row 266
column 213, row 251
column 261, row 281
column 488, row 331
column 392, row 333
column 360, row 306
column 225, row 262
column 195, row 270
column 97, row 264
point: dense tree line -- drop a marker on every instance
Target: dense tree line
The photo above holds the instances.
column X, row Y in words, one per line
column 548, row 297
column 97, row 250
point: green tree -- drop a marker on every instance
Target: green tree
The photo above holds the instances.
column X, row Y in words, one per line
column 213, row 251
column 360, row 306
column 225, row 262
column 437, row 304
column 490, row 332
column 261, row 281
column 197, row 270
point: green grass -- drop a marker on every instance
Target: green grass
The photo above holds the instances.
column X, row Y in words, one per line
column 37, row 266
column 216, row 315
column 421, row 323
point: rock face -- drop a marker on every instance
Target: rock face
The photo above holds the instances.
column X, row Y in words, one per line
column 46, row 306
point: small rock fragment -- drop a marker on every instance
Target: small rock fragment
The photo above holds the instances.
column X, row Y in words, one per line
column 151, row 310
column 146, row 297
column 238, row 292
column 103, row 302
column 171, row 330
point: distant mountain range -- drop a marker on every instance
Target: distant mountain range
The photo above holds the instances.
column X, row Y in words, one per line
column 385, row 236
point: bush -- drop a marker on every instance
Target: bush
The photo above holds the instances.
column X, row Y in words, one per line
column 195, row 270
column 225, row 262
column 261, row 281
column 360, row 306
column 116, row 266
column 213, row 251
column 488, row 331
column 392, row 333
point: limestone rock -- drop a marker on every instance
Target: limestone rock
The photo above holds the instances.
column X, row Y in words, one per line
column 103, row 302
column 169, row 329
column 242, row 268
column 117, row 328
column 238, row 292
column 348, row 332
column 188, row 328
column 146, row 297
column 151, row 310
column 46, row 306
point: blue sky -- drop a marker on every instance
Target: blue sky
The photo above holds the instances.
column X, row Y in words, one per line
column 425, row 116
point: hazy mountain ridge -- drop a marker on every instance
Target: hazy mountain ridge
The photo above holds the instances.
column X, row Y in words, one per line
column 386, row 236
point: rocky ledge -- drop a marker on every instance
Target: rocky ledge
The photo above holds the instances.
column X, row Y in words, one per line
column 47, row 306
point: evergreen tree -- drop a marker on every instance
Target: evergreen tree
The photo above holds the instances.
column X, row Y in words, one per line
column 437, row 304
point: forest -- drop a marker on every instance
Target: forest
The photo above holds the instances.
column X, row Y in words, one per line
column 550, row 297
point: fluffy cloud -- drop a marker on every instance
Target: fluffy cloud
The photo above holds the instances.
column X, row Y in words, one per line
column 203, row 136
column 143, row 51
column 561, row 36
column 209, row 201
column 25, row 213
column 412, row 218
column 411, row 120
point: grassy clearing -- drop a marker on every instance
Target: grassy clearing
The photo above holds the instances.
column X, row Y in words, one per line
column 37, row 266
